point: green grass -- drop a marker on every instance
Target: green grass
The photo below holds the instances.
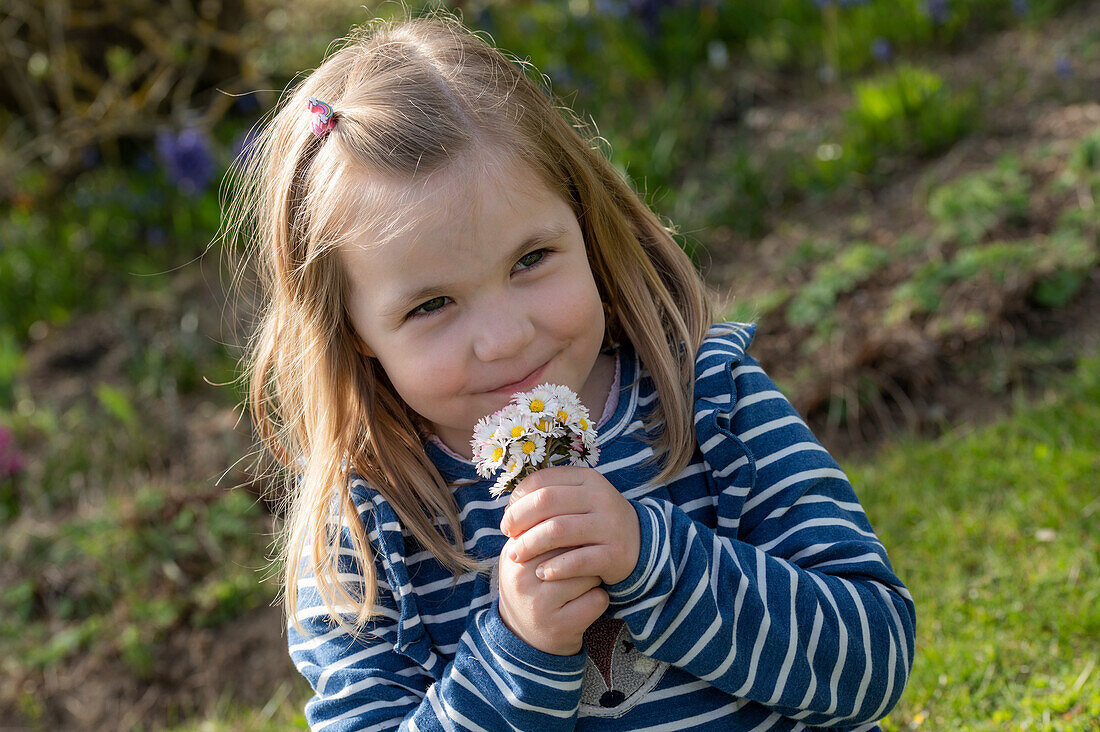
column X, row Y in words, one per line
column 994, row 532
column 120, row 577
column 813, row 305
column 285, row 710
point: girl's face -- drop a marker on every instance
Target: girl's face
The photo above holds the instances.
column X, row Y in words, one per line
column 485, row 291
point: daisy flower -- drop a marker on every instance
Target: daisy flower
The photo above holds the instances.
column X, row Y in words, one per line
column 490, row 458
column 539, row 401
column 547, row 426
column 504, row 480
column 539, row 428
column 513, row 426
column 530, row 450
column 564, row 394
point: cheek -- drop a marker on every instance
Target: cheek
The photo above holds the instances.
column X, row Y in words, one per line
column 423, row 374
column 412, row 368
column 577, row 307
column 571, row 291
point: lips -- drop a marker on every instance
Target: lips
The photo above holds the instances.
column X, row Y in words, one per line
column 529, row 381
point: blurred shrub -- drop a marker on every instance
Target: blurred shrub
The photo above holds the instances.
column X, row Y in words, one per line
column 75, row 253
column 732, row 190
column 1083, row 169
column 904, row 113
column 907, row 111
column 969, row 207
column 87, row 81
column 1071, row 251
column 812, row 305
column 83, row 73
column 11, row 363
column 1049, row 270
column 117, row 578
column 11, row 465
column 656, row 75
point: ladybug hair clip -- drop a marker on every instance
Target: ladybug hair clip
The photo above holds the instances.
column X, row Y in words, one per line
column 323, row 117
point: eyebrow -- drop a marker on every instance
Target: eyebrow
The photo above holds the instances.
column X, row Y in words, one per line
column 405, row 302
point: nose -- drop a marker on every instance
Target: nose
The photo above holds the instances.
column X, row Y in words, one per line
column 504, row 331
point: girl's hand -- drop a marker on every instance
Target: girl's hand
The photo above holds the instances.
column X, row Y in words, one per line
column 550, row 616
column 576, row 509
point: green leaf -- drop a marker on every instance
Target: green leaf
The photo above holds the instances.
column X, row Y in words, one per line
column 117, row 404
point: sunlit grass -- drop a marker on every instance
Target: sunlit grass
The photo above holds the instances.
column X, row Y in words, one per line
column 285, row 710
column 994, row 532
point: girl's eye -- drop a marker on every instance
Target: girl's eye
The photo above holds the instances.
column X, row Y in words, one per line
column 531, row 259
column 429, row 307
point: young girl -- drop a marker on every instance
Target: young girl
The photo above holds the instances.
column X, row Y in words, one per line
column 433, row 235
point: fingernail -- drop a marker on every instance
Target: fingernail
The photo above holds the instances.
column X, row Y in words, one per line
column 513, row 556
column 540, row 572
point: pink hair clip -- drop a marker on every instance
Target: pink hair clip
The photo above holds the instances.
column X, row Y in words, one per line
column 323, row 119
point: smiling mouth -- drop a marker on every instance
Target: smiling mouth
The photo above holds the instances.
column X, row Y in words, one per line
column 527, row 382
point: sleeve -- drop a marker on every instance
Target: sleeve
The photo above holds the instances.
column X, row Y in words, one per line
column 790, row 601
column 390, row 677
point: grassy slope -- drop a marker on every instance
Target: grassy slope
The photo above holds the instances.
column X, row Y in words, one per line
column 993, row 531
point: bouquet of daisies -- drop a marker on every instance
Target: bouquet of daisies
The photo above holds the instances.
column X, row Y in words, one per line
column 539, row 428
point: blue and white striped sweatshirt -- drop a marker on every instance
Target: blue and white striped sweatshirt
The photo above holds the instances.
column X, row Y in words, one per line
column 761, row 600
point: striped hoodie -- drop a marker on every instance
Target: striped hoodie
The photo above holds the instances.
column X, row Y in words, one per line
column 761, row 600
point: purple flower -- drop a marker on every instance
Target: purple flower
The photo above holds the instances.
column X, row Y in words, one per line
column 11, row 461
column 1063, row 67
column 882, row 50
column 938, row 11
column 187, row 159
column 1020, row 7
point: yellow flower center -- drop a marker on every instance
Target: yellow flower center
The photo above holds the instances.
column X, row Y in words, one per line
column 584, row 425
column 543, row 425
column 517, row 431
column 528, row 447
column 563, row 417
column 498, row 454
column 537, row 405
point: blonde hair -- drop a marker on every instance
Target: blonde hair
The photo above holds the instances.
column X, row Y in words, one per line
column 412, row 97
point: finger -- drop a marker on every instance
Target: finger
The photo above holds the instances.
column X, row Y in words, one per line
column 551, row 595
column 570, row 530
column 557, row 475
column 525, row 572
column 543, row 503
column 584, row 610
column 532, row 563
column 560, row 594
column 582, row 561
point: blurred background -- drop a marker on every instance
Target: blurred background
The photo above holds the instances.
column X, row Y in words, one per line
column 902, row 193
